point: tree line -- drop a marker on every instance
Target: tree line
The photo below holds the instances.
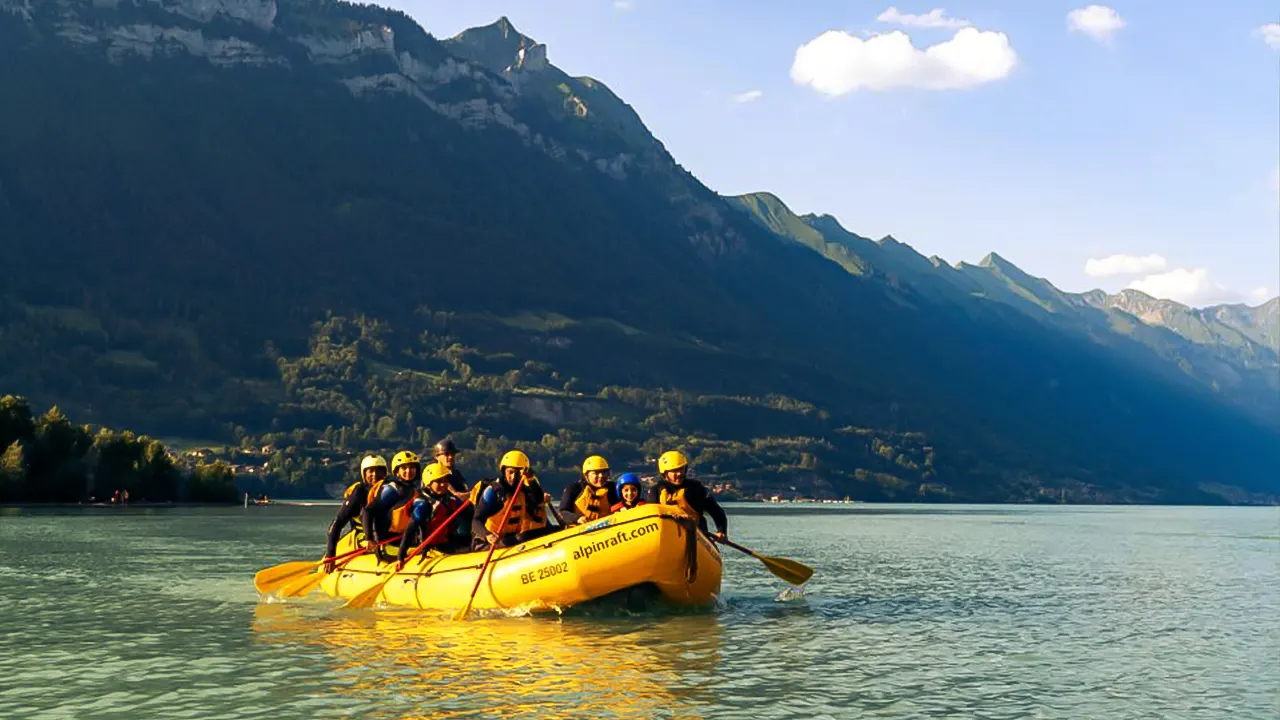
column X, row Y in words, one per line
column 47, row 459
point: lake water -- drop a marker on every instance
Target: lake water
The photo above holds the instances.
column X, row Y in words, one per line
column 915, row 611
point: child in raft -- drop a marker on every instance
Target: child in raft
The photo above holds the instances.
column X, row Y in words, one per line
column 629, row 491
column 429, row 510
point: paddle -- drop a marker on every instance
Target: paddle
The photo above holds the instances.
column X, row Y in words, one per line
column 502, row 524
column 370, row 596
column 796, row 573
column 556, row 513
column 311, row 581
column 268, row 580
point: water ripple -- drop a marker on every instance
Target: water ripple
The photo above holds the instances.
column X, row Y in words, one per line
column 975, row 613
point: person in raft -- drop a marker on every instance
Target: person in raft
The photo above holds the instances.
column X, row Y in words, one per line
column 592, row 496
column 387, row 512
column 628, row 490
column 373, row 469
column 691, row 496
column 431, row 509
column 445, row 454
column 528, row 518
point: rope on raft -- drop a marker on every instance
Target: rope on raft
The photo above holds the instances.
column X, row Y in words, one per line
column 689, row 528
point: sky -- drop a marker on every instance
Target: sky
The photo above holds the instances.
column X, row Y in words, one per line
column 1135, row 144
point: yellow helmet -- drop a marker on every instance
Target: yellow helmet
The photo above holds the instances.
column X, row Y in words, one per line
column 595, row 462
column 434, row 471
column 671, row 460
column 373, row 461
column 514, row 458
column 404, row 457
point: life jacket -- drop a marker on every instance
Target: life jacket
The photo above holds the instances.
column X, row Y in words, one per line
column 521, row 518
column 445, row 506
column 592, row 502
column 669, row 496
column 475, row 493
column 400, row 516
column 622, row 505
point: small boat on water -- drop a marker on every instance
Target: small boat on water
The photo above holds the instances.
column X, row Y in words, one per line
column 649, row 545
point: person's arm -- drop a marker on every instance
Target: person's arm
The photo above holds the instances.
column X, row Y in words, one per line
column 459, row 484
column 484, row 510
column 350, row 509
column 405, row 541
column 712, row 508
column 570, row 496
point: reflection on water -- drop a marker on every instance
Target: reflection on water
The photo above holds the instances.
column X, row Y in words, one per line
column 514, row 667
column 970, row 613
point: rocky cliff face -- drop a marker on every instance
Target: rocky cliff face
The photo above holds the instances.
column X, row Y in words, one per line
column 492, row 76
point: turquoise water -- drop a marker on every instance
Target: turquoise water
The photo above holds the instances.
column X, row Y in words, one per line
column 915, row 611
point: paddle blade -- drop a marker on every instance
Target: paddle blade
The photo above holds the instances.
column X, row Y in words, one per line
column 303, row 585
column 796, row 573
column 368, row 597
column 268, row 580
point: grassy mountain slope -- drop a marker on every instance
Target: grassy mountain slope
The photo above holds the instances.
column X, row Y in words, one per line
column 1228, row 349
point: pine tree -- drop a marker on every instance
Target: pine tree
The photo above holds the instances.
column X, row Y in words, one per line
column 13, row 472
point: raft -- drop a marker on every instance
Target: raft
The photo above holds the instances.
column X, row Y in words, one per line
column 649, row 545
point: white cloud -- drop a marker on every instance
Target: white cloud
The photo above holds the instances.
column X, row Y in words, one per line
column 1270, row 34
column 835, row 62
column 1259, row 295
column 935, row 18
column 746, row 97
column 1123, row 265
column 1194, row 287
column 1097, row 21
column 622, row 5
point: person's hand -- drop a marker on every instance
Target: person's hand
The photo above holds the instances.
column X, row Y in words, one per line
column 580, row 521
column 328, row 565
column 546, row 497
column 493, row 539
column 400, row 564
column 722, row 535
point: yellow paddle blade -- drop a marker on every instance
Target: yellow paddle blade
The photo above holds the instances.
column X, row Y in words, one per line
column 303, row 585
column 796, row 573
column 369, row 596
column 268, row 580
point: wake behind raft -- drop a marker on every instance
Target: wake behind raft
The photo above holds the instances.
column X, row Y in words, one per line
column 649, row 545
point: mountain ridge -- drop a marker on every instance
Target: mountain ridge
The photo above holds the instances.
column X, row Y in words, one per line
column 522, row 249
column 1223, row 350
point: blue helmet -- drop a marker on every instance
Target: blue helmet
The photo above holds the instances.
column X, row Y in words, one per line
column 628, row 479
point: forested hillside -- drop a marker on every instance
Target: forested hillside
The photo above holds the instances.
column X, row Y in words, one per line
column 308, row 229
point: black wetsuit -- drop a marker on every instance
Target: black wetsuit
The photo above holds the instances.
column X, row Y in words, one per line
column 349, row 512
column 698, row 497
column 493, row 502
column 570, row 497
column 459, row 483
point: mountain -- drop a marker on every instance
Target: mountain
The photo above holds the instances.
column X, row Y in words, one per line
column 1232, row 350
column 309, row 228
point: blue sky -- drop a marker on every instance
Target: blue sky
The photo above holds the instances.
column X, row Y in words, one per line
column 1147, row 130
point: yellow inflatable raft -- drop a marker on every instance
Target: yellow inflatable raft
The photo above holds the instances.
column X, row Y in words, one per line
column 651, row 544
